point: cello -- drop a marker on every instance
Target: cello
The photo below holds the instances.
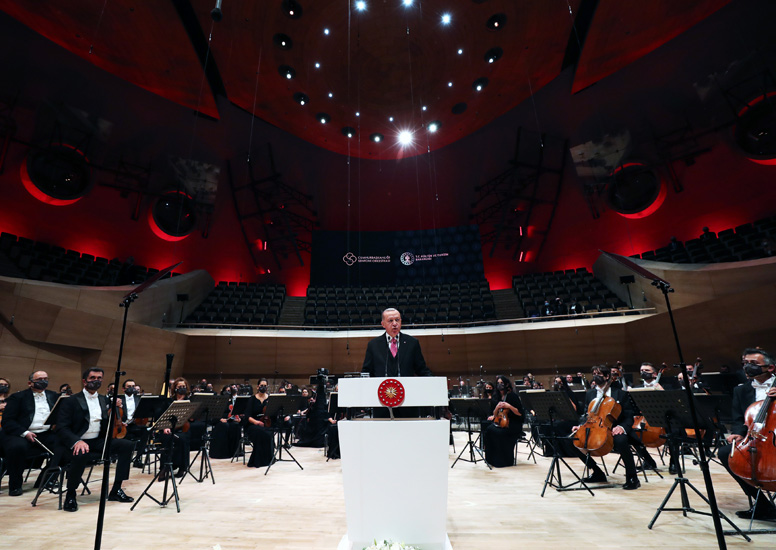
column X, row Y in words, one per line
column 594, row 437
column 650, row 436
column 753, row 459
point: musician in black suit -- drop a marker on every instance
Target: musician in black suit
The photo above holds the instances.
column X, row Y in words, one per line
column 23, row 424
column 394, row 353
column 759, row 368
column 81, row 429
column 135, row 432
column 620, row 430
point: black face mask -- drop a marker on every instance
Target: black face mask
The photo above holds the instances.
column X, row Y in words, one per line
column 181, row 391
column 600, row 381
column 93, row 384
column 753, row 370
column 4, row 388
column 501, row 387
column 262, row 389
column 130, row 391
column 40, row 384
column 647, row 376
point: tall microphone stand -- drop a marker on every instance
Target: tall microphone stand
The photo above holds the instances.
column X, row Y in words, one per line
column 126, row 301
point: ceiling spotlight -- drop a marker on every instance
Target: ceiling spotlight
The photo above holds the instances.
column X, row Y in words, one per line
column 449, row 84
column 323, row 118
column 434, row 126
column 407, row 2
column 326, row 32
column 390, row 119
column 291, row 8
column 480, row 84
column 287, row 72
column 460, row 51
column 496, row 22
column 348, row 132
column 446, row 18
column 493, row 54
column 331, row 94
column 358, row 113
column 424, row 108
column 405, row 137
column 283, row 41
column 301, row 99
column 377, row 138
column 317, row 65
column 360, row 5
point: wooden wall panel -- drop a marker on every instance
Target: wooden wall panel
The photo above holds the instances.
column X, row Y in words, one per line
column 76, row 328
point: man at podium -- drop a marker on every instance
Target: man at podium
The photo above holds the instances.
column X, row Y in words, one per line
column 394, row 353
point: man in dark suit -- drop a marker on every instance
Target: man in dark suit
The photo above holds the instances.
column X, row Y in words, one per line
column 81, row 429
column 23, row 424
column 759, row 368
column 620, row 431
column 394, row 353
column 129, row 402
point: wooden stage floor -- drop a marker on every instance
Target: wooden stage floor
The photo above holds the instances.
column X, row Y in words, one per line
column 304, row 509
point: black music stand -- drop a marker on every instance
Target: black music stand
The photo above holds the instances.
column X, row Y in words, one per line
column 277, row 406
column 480, row 409
column 548, row 407
column 238, row 409
column 671, row 409
column 211, row 406
column 168, row 419
column 716, row 409
column 51, row 420
column 150, row 406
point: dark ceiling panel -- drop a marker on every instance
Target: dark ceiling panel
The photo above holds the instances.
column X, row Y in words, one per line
column 141, row 42
column 387, row 61
column 623, row 32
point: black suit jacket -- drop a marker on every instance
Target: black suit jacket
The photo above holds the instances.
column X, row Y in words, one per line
column 743, row 396
column 73, row 419
column 123, row 397
column 411, row 361
column 20, row 410
column 621, row 396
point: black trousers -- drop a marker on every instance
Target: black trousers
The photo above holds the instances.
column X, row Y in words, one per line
column 18, row 450
column 120, row 448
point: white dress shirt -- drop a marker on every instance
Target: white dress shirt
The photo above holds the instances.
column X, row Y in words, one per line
column 42, row 410
column 95, row 415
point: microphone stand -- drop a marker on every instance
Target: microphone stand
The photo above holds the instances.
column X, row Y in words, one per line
column 127, row 300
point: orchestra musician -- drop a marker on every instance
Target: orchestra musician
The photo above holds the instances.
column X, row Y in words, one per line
column 498, row 439
column 65, row 389
column 226, row 433
column 184, row 431
column 5, row 390
column 759, row 368
column 621, row 428
column 82, row 424
column 23, row 425
column 135, row 432
column 257, row 429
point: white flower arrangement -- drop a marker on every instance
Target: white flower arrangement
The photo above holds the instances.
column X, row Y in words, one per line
column 390, row 545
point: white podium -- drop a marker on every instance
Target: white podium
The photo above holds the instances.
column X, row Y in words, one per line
column 395, row 471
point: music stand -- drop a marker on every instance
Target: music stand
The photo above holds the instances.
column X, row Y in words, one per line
column 168, row 419
column 238, row 409
column 276, row 407
column 548, row 407
column 671, row 409
column 480, row 409
column 209, row 403
column 721, row 382
column 716, row 409
column 51, row 419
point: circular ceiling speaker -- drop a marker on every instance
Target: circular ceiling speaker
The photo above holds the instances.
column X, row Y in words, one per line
column 635, row 191
column 172, row 216
column 755, row 130
column 58, row 175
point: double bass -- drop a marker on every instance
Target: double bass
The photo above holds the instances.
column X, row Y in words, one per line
column 753, row 459
column 594, row 437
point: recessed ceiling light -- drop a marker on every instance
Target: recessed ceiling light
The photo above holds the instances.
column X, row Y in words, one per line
column 326, row 32
column 446, row 18
column 301, row 99
column 323, row 118
column 287, row 72
column 449, row 84
column 292, row 9
column 331, row 94
column 480, row 84
column 360, row 5
column 494, row 54
column 377, row 138
column 348, row 131
column 317, row 65
column 460, row 51
column 405, row 137
column 434, row 126
column 407, row 2
column 424, row 108
column 358, row 113
column 390, row 119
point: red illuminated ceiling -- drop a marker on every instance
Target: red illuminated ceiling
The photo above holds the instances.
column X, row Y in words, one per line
column 387, row 61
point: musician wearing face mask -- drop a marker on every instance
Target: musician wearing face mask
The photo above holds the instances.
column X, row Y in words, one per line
column 81, row 428
column 622, row 426
column 649, row 376
column 500, row 436
column 257, row 428
column 186, row 431
column 759, row 369
column 129, row 402
column 65, row 389
column 23, row 425
column 5, row 390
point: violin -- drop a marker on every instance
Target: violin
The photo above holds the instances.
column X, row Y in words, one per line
column 501, row 419
column 594, row 437
column 754, row 458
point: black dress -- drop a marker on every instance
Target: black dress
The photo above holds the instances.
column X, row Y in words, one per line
column 261, row 437
column 499, row 442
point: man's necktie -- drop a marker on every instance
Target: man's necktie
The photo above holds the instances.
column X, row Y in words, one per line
column 394, row 347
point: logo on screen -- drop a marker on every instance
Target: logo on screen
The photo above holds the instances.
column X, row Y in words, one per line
column 349, row 258
column 407, row 258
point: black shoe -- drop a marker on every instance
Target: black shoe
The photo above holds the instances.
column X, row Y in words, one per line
column 672, row 469
column 70, row 505
column 119, row 496
column 631, row 484
column 17, row 492
column 180, row 473
column 137, row 464
column 595, row 477
column 765, row 512
column 648, row 463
